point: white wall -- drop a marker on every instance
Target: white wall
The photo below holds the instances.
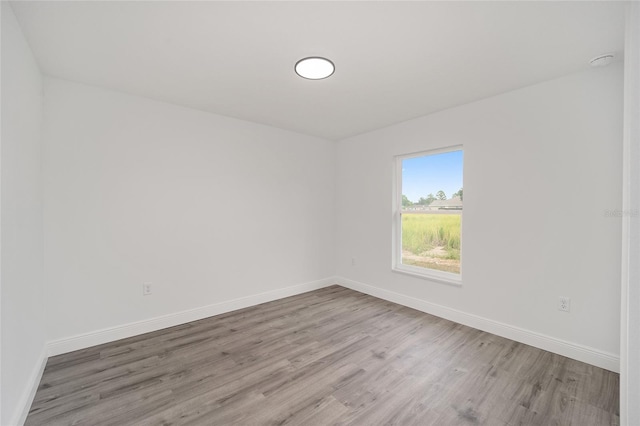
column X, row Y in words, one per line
column 207, row 208
column 542, row 164
column 23, row 320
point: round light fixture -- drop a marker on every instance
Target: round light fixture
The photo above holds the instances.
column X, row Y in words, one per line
column 314, row 68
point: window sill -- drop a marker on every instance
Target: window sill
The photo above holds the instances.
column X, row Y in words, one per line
column 441, row 277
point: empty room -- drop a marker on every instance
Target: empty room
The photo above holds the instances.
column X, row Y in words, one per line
column 320, row 213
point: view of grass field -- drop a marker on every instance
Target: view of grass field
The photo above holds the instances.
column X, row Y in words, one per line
column 431, row 241
column 431, row 204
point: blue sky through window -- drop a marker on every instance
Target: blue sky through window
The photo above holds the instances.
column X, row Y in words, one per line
column 430, row 174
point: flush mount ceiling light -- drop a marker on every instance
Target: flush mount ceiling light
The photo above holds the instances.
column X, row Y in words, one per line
column 314, row 68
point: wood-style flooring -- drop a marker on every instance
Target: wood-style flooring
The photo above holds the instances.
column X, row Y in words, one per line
column 331, row 356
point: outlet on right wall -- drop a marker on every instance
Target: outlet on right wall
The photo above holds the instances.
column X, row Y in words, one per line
column 542, row 188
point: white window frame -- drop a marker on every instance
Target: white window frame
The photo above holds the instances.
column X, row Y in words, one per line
column 397, row 265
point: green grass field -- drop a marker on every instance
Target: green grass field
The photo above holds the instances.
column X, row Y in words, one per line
column 433, row 240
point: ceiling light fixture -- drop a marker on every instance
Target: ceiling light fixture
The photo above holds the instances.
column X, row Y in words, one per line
column 314, row 68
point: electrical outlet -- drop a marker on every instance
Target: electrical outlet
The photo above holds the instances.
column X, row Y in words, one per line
column 146, row 289
column 353, row 261
column 564, row 304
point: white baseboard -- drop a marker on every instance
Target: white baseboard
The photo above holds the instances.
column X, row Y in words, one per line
column 575, row 351
column 111, row 334
column 24, row 403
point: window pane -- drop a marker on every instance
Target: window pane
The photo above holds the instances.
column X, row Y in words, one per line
column 431, row 211
column 431, row 241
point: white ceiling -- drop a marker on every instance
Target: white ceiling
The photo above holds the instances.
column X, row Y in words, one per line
column 394, row 60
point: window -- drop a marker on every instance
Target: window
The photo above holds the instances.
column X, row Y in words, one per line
column 428, row 214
